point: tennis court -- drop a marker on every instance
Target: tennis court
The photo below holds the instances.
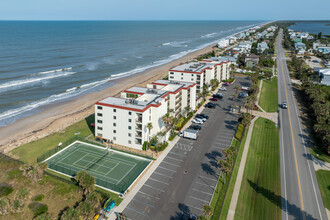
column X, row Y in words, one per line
column 113, row 170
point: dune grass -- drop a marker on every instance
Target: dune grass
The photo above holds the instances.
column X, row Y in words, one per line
column 260, row 193
column 269, row 98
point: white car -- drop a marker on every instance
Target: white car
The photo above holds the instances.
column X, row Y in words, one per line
column 197, row 121
column 223, row 89
column 180, row 134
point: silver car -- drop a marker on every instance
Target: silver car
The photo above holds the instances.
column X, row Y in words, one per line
column 223, row 89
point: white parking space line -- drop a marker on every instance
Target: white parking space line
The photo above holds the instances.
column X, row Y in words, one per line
column 163, row 175
column 154, row 188
column 136, row 211
column 174, row 158
column 207, row 202
column 158, row 181
column 166, row 169
column 148, row 195
column 205, row 184
column 180, row 154
column 139, row 201
column 194, row 207
column 204, row 177
column 202, row 191
column 170, row 163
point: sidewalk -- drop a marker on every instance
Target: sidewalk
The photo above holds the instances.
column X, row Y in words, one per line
column 271, row 116
column 234, row 198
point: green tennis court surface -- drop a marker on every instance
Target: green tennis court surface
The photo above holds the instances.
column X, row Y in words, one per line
column 111, row 169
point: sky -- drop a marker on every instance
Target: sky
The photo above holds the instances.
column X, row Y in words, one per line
column 164, row 10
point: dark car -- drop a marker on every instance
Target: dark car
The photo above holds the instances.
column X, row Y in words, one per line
column 315, row 61
column 195, row 127
column 204, row 116
column 218, row 96
column 213, row 99
column 210, row 105
column 200, row 117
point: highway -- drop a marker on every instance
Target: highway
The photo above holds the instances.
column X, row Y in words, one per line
column 300, row 193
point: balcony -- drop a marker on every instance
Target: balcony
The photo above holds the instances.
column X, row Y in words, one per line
column 138, row 141
column 138, row 127
column 138, row 135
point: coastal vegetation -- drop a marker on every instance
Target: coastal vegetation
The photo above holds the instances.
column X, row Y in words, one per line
column 323, row 179
column 260, row 193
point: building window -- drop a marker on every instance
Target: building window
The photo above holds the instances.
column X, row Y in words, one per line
column 129, row 120
column 99, row 107
column 114, row 131
column 114, row 110
column 129, row 127
column 99, row 128
column 129, row 142
column 114, row 117
column 171, row 73
column 181, row 78
column 171, row 77
column 114, row 138
column 99, row 134
column 99, row 121
column 192, row 79
column 114, row 124
column 181, row 74
column 129, row 134
column 129, row 113
column 99, row 114
column 149, row 117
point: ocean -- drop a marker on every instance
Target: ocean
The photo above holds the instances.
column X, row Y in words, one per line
column 312, row 27
column 43, row 62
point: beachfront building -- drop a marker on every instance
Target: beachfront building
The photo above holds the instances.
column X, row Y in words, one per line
column 124, row 121
column 200, row 72
column 262, row 46
column 223, row 63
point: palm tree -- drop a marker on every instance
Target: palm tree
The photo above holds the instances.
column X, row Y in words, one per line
column 161, row 136
column 94, row 199
column 86, row 181
column 167, row 119
column 208, row 210
column 149, row 126
column 186, row 110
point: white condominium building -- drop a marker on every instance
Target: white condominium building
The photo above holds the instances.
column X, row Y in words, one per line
column 200, row 72
column 223, row 70
column 124, row 120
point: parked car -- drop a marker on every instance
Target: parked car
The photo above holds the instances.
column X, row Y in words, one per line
column 195, row 127
column 227, row 84
column 284, row 105
column 200, row 117
column 315, row 61
column 210, row 105
column 197, row 121
column 245, row 88
column 218, row 95
column 204, row 116
column 243, row 94
column 190, row 134
column 213, row 99
column 223, row 89
column 180, row 134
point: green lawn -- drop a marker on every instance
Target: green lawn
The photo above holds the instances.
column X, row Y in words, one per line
column 323, row 178
column 268, row 97
column 260, row 193
column 29, row 152
column 319, row 155
column 226, row 203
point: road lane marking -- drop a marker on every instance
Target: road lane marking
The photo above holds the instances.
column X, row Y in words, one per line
column 293, row 146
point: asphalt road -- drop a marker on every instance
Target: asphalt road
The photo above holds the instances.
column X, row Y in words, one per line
column 301, row 198
column 186, row 178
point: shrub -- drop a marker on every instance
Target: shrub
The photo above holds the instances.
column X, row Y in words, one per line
column 22, row 194
column 162, row 147
column 44, row 216
column 38, row 208
column 5, row 189
column 239, row 132
column 38, row 198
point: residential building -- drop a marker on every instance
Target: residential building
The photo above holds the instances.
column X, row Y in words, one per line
column 223, row 63
column 223, row 43
column 300, row 48
column 251, row 61
column 324, row 74
column 125, row 121
column 262, row 46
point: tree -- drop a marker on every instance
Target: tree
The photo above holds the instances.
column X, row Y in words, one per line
column 86, row 181
column 71, row 214
column 149, row 126
column 167, row 119
column 146, row 145
column 214, row 83
column 319, row 35
column 208, row 210
column 187, row 109
column 94, row 199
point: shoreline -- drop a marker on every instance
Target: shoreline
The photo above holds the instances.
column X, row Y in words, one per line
column 56, row 117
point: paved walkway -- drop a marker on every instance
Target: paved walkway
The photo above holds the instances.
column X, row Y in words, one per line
column 271, row 116
column 234, row 198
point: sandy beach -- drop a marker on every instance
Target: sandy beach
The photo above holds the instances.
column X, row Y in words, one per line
column 57, row 117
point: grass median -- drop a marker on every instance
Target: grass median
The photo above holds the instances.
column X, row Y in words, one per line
column 269, row 97
column 323, row 178
column 260, row 193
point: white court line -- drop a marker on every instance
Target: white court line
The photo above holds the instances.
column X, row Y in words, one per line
column 202, row 191
column 207, row 178
column 148, row 194
column 163, row 175
column 170, row 163
column 153, row 187
column 167, row 169
column 173, row 158
column 199, row 199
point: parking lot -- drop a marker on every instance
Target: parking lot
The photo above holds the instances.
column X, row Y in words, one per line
column 185, row 180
